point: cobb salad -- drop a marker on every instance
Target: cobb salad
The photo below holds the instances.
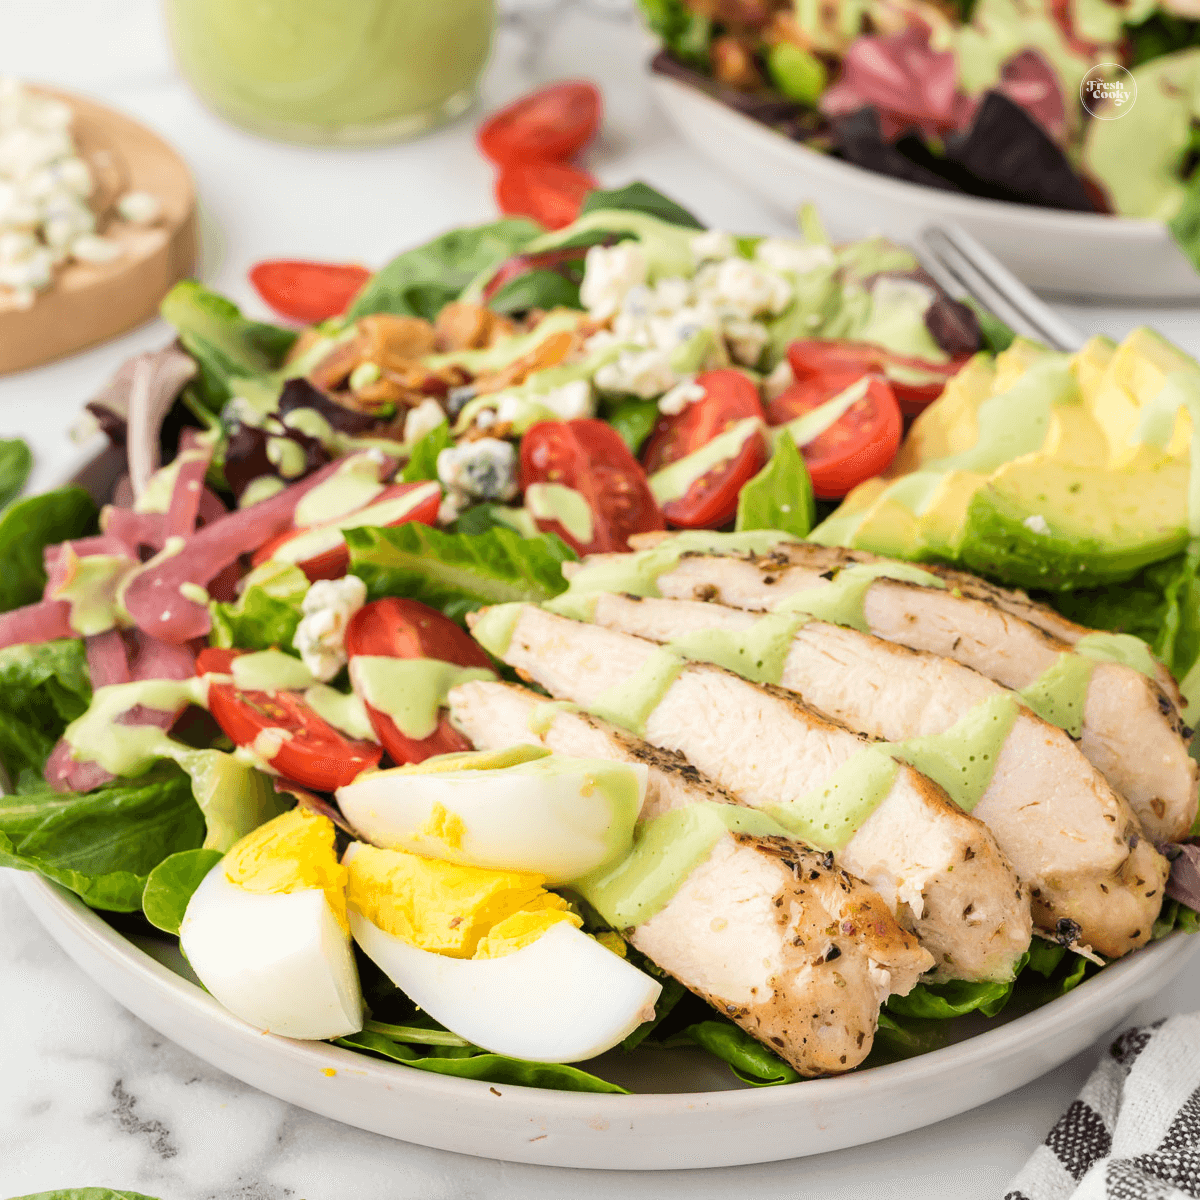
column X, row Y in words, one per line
column 1083, row 106
column 496, row 674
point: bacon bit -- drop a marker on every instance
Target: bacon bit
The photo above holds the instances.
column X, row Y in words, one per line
column 392, row 343
column 548, row 353
column 469, row 327
column 734, row 64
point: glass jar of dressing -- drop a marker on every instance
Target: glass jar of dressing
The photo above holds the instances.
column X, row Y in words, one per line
column 348, row 72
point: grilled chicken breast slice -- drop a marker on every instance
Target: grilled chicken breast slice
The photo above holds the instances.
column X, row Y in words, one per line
column 1131, row 728
column 938, row 869
column 793, row 949
column 1071, row 838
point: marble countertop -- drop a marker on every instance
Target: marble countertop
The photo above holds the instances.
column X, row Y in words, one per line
column 91, row 1096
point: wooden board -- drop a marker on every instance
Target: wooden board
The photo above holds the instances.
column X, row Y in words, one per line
column 89, row 303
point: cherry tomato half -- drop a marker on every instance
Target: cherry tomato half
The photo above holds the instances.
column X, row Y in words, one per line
column 712, row 499
column 592, row 458
column 549, row 192
column 859, row 444
column 550, row 125
column 331, row 563
column 839, row 363
column 308, row 291
column 397, row 628
column 213, row 660
column 315, row 754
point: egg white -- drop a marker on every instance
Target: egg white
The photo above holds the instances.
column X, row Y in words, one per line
column 549, row 816
column 561, row 999
column 280, row 961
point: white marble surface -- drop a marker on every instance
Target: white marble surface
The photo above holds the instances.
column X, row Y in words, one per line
column 89, row 1095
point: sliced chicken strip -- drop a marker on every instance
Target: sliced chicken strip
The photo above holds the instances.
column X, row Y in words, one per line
column 1072, row 839
column 1130, row 727
column 794, row 950
column 897, row 831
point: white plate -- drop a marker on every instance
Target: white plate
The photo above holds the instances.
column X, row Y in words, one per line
column 668, row 1129
column 1075, row 254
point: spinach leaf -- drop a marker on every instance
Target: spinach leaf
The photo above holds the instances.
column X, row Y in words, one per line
column 27, row 527
column 419, row 282
column 170, row 885
column 457, row 572
column 640, row 197
column 751, row 1061
column 15, row 464
column 225, row 345
column 469, row 1062
column 265, row 614
column 538, row 289
column 633, row 419
column 43, row 688
column 423, row 463
column 104, row 844
column 672, row 992
column 1176, row 916
column 87, row 1193
column 780, row 496
column 940, row 1001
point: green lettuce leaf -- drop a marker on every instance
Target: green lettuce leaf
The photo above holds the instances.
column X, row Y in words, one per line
column 423, row 463
column 538, row 289
column 470, row 1062
column 640, row 197
column 940, row 1001
column 457, row 572
column 780, row 496
column 686, row 34
column 633, row 419
column 1175, row 916
column 43, row 688
column 265, row 614
column 421, row 281
column 225, row 345
column 15, row 464
column 102, row 845
column 170, row 885
column 27, row 527
column 750, row 1060
column 997, row 336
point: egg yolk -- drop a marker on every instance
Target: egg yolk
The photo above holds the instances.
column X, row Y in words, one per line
column 444, row 826
column 291, row 853
column 462, row 912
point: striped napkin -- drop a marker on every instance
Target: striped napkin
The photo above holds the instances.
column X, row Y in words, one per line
column 1134, row 1131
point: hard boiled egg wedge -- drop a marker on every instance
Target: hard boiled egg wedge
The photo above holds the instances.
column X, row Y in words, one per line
column 521, row 809
column 267, row 934
column 493, row 956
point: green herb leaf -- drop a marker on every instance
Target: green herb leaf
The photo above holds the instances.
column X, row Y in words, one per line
column 170, row 885
column 265, row 614
column 421, row 281
column 780, row 496
column 15, row 464
column 423, row 463
column 640, row 197
column 469, row 1062
column 27, row 527
column 457, row 572
column 537, row 289
column 751, row 1061
column 43, row 688
column 102, row 844
column 633, row 419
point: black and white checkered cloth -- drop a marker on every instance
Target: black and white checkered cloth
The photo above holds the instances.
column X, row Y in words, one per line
column 1134, row 1131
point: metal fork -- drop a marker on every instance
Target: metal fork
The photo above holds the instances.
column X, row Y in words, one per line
column 963, row 268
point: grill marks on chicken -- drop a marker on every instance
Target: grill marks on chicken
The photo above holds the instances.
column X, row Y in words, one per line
column 929, row 861
column 1069, row 836
column 796, row 951
column 1131, row 731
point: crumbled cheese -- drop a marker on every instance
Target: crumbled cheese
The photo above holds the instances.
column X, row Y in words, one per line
column 779, row 380
column 680, row 396
column 485, row 469
column 747, row 340
column 645, row 373
column 139, row 208
column 1036, row 524
column 423, row 419
column 569, row 402
column 609, row 273
column 320, row 637
column 746, row 288
column 792, row 257
column 713, row 244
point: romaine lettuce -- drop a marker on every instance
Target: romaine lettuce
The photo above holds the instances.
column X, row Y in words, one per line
column 27, row 527
column 15, row 465
column 42, row 689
